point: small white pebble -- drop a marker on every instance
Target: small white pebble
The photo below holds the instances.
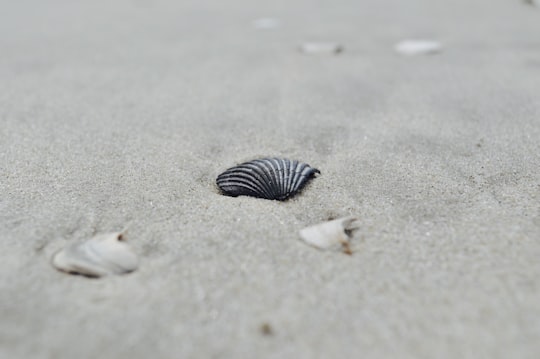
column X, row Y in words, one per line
column 418, row 47
column 316, row 48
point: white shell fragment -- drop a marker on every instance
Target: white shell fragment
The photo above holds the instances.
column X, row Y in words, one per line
column 266, row 23
column 418, row 47
column 99, row 256
column 320, row 48
column 332, row 234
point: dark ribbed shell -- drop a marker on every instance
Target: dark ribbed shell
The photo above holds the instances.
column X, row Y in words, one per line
column 269, row 178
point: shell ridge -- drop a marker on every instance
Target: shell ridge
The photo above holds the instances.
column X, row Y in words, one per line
column 264, row 179
column 232, row 185
column 273, row 174
column 296, row 178
column 269, row 176
column 241, row 188
column 284, row 175
column 304, row 176
column 287, row 174
column 290, row 174
column 278, row 174
column 306, row 172
column 244, row 174
column 249, row 172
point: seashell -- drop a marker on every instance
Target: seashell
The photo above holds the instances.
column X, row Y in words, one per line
column 331, row 234
column 97, row 257
column 269, row 178
column 418, row 47
column 317, row 48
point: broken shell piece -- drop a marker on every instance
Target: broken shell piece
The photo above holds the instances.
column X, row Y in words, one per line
column 418, row 47
column 97, row 257
column 321, row 48
column 328, row 235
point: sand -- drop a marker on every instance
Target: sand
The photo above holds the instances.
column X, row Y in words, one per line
column 122, row 113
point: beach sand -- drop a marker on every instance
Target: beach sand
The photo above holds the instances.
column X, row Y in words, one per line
column 123, row 113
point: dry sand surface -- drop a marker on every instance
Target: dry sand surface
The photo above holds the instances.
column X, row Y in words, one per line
column 118, row 113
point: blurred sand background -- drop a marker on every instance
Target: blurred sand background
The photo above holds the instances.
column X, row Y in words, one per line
column 124, row 112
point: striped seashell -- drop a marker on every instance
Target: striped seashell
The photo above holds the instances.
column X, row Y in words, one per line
column 269, row 178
